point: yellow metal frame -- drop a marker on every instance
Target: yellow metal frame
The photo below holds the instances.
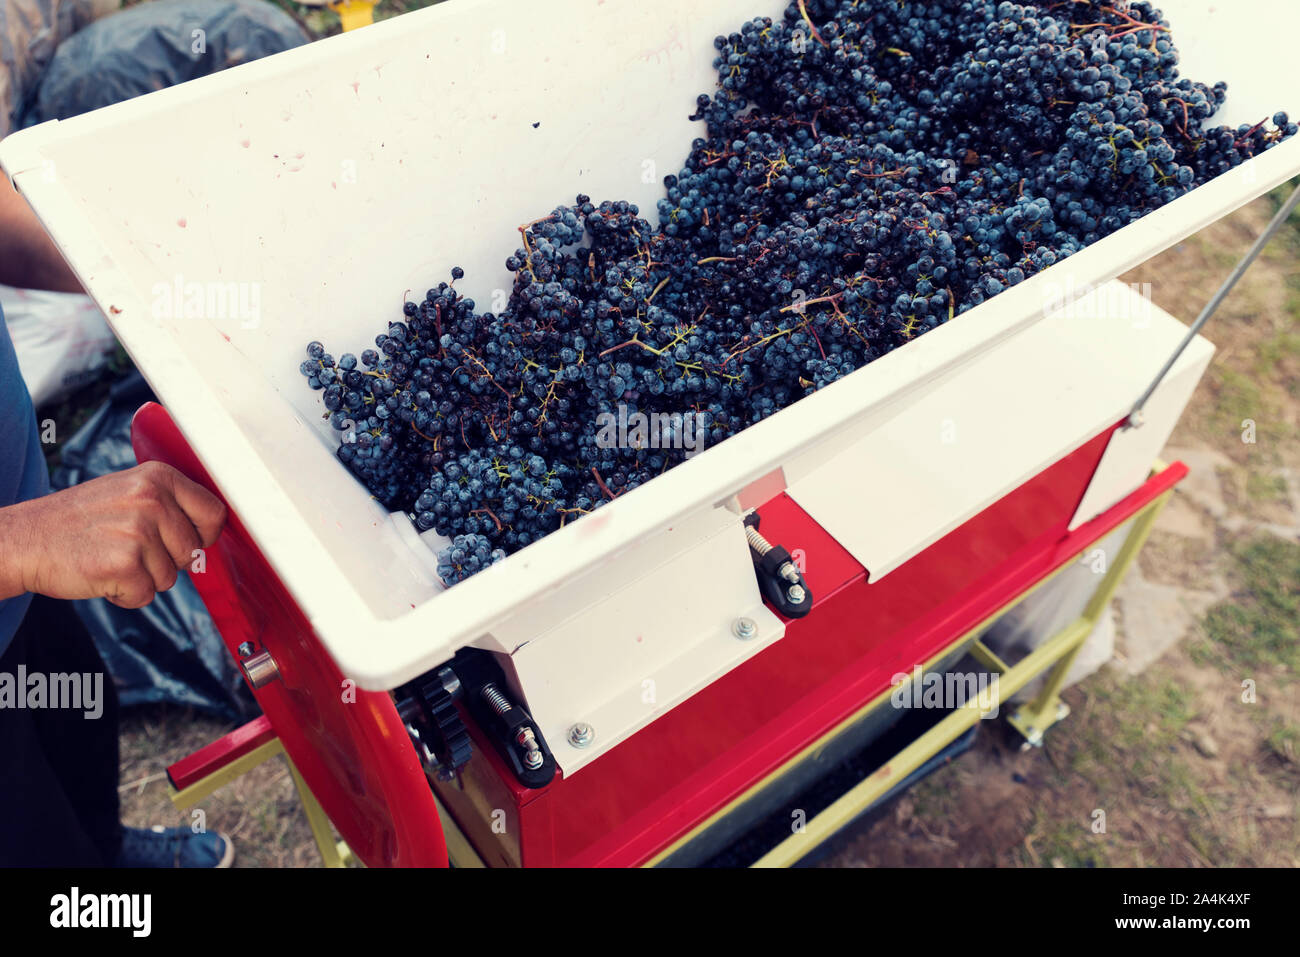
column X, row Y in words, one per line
column 333, row 853
column 460, row 852
column 1032, row 719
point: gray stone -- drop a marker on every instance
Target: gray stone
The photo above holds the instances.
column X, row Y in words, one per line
column 1292, row 489
column 1181, row 518
column 1202, row 485
column 1155, row 617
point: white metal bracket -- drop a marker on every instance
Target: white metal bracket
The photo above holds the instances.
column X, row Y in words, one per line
column 633, row 652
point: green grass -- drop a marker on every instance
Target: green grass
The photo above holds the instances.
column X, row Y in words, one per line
column 1277, row 196
column 1149, row 715
column 1072, row 844
column 932, row 799
column 1236, row 397
column 1284, row 743
column 1259, row 626
column 1266, row 487
column 1285, row 251
column 1286, row 344
column 1132, row 748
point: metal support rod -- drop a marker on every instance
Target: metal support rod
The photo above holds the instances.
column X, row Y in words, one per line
column 333, row 853
column 981, row 653
column 1135, row 417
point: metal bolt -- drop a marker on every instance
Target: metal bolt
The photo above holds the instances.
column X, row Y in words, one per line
column 744, row 628
column 245, row 649
column 762, row 546
column 533, row 758
column 796, row 594
column 581, row 734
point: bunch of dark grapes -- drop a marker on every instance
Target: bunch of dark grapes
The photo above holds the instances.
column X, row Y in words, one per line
column 870, row 171
column 466, row 555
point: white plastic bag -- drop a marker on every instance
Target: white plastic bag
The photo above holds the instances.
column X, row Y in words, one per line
column 1061, row 601
column 61, row 339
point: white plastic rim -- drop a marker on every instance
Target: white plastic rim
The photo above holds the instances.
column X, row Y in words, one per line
column 324, row 181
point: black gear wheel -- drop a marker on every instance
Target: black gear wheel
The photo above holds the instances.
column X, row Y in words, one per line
column 428, row 706
column 451, row 744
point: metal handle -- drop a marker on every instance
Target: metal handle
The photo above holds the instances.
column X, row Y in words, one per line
column 260, row 669
column 1134, row 419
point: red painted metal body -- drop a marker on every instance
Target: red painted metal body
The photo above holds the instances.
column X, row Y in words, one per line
column 662, row 782
column 245, row 739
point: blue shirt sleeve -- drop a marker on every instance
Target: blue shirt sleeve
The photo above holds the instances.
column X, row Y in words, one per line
column 22, row 465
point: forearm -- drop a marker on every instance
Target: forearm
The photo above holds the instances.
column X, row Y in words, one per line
column 15, row 545
column 28, row 257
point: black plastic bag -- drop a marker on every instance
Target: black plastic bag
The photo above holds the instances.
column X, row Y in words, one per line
column 156, row 45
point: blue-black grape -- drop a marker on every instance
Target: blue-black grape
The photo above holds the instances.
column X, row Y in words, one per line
column 869, row 172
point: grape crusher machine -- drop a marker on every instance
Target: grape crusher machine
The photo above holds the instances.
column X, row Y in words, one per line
column 677, row 677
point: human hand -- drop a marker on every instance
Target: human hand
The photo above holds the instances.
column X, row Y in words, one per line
column 122, row 537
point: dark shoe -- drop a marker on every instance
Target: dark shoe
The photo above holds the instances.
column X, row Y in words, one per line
column 174, row 847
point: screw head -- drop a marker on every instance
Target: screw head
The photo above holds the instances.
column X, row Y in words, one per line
column 581, row 734
column 744, row 628
column 796, row 594
column 533, row 760
column 246, row 649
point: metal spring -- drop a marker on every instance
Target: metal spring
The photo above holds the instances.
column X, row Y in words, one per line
column 495, row 699
column 756, row 541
